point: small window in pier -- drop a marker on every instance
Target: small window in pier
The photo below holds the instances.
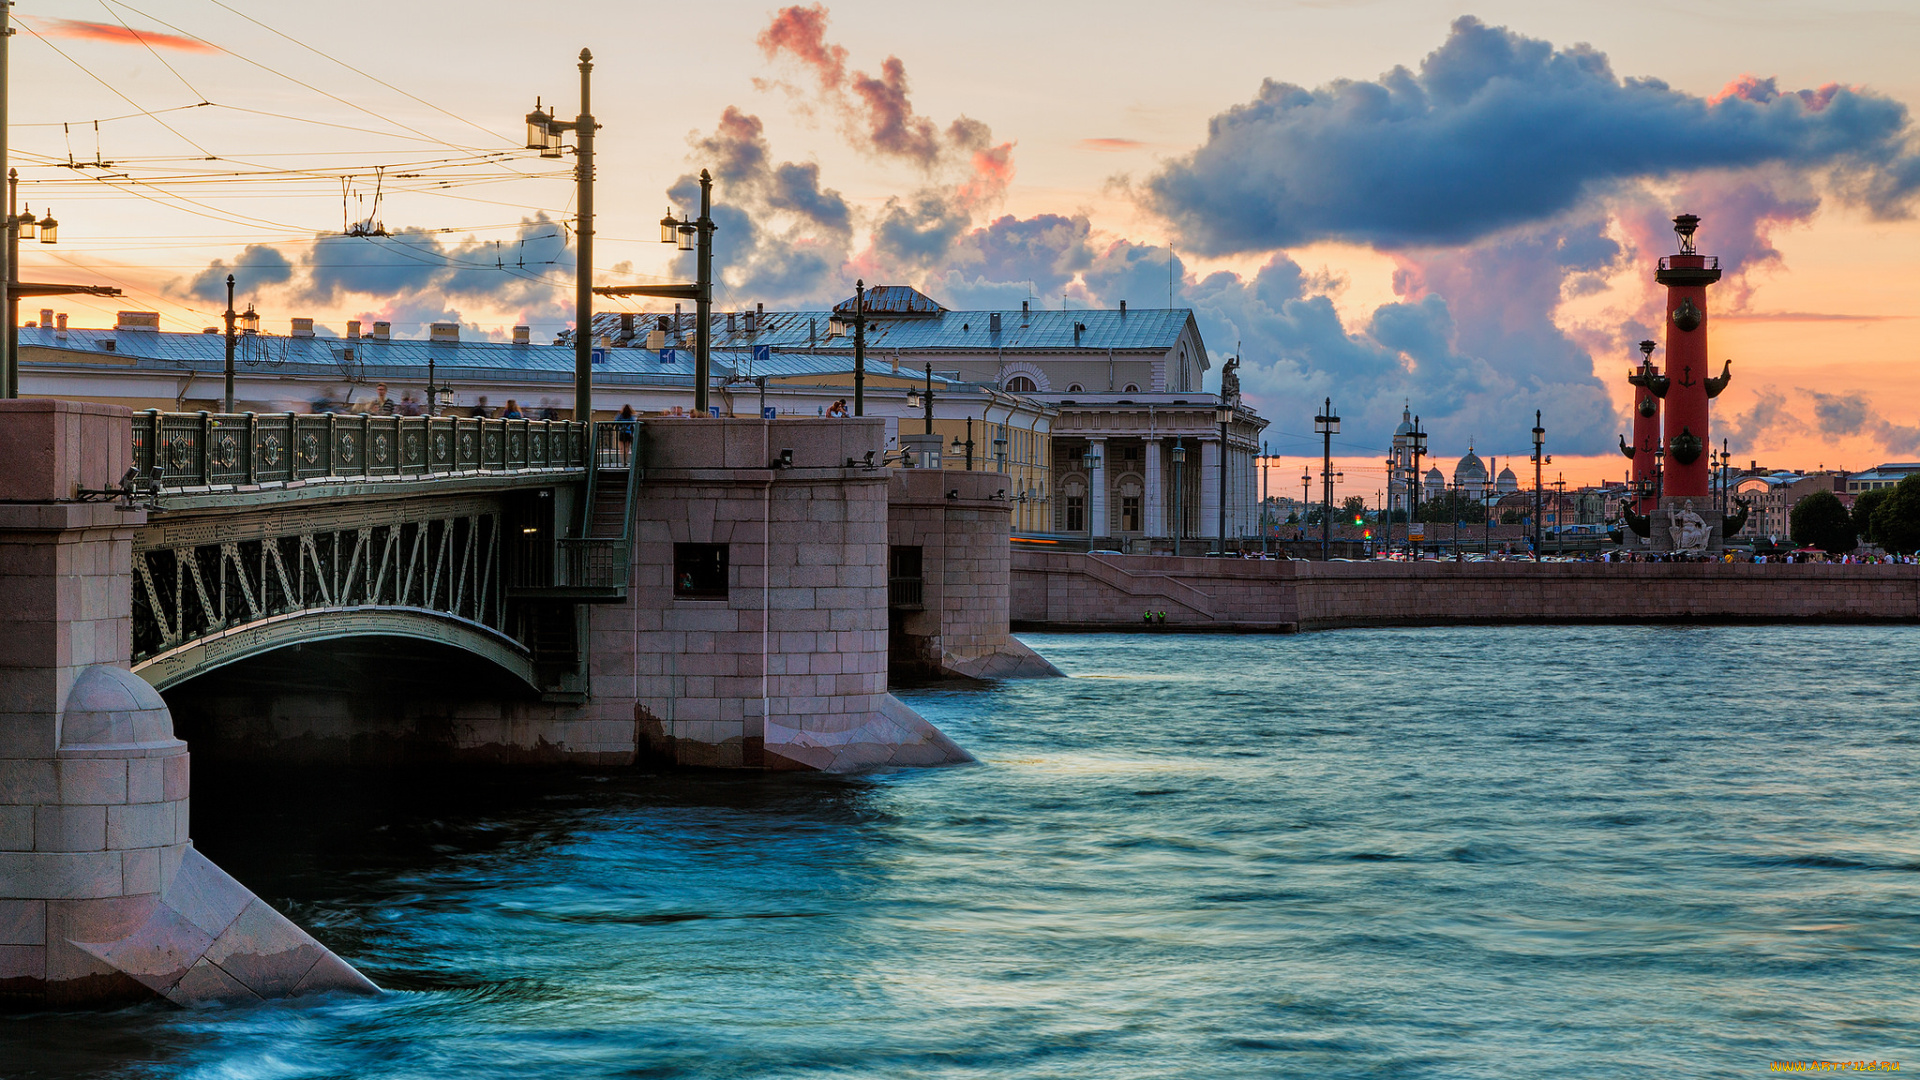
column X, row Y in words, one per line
column 1130, row 513
column 700, row 571
column 1076, row 513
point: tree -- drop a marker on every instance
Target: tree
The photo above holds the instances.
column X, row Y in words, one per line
column 1819, row 520
column 1896, row 518
column 1863, row 507
column 1450, row 507
column 1510, row 516
column 1354, row 506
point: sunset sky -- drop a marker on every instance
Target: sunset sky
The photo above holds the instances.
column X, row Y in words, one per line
column 1457, row 206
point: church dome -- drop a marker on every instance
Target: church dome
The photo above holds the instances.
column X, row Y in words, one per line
column 1508, row 482
column 1436, row 475
column 1406, row 424
column 1470, row 470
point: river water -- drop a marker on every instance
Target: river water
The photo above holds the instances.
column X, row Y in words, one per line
column 1485, row 852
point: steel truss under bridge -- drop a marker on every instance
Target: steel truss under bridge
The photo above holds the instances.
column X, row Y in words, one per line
column 209, row 591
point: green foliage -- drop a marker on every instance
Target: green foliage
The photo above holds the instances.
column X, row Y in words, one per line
column 1510, row 516
column 1863, row 507
column 1819, row 520
column 1452, row 506
column 1352, row 507
column 1896, row 519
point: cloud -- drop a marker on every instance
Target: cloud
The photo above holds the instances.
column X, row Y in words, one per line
column 780, row 235
column 877, row 110
column 1843, row 415
column 122, row 35
column 413, row 276
column 1111, row 145
column 1497, row 130
column 259, row 264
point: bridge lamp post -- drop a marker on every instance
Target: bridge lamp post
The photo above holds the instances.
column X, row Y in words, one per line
column 20, row 225
column 1539, row 458
column 1326, row 425
column 965, row 447
column 229, row 316
column 543, row 134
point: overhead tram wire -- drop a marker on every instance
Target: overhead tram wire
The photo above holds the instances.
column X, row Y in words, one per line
column 304, row 85
column 141, row 38
column 42, row 38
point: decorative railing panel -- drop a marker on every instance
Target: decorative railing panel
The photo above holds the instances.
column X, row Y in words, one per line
column 202, row 450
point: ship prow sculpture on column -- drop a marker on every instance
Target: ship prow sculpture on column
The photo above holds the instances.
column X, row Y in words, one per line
column 1674, row 508
column 103, row 898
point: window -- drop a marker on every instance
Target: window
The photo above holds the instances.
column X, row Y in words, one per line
column 700, row 571
column 904, row 584
column 1076, row 513
column 1020, row 384
column 1132, row 388
column 1074, row 389
column 1130, row 513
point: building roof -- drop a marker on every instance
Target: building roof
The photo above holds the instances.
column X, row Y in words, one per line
column 1469, row 466
column 894, row 300
column 397, row 358
column 1153, row 330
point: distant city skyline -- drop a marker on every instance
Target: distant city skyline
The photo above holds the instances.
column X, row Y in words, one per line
column 1385, row 203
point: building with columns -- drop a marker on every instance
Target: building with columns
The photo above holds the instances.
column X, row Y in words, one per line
column 1136, row 448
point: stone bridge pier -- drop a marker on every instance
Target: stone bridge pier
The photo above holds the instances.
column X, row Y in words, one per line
column 102, row 896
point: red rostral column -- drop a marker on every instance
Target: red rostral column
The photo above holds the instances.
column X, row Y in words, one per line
column 1686, row 277
column 1649, row 386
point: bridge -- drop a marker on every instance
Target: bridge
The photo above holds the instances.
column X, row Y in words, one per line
column 717, row 595
column 265, row 532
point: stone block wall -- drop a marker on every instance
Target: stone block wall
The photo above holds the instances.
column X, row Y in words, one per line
column 789, row 670
column 1076, row 590
column 101, row 896
column 961, row 522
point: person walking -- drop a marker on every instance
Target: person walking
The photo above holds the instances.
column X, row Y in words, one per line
column 623, row 428
column 512, row 411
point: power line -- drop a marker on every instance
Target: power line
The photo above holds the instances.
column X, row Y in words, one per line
column 116, row 92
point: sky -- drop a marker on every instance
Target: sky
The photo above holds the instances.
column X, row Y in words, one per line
column 1383, row 203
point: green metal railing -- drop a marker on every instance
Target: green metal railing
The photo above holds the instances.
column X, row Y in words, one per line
column 179, row 451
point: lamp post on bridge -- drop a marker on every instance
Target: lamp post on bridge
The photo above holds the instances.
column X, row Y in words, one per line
column 543, row 134
column 1326, row 425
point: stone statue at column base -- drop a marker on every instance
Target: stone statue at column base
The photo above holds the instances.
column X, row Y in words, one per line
column 1680, row 526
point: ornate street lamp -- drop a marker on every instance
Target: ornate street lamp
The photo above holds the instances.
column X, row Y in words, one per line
column 1326, row 425
column 543, row 134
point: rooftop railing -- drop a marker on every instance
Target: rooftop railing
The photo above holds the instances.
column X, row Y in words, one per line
column 181, row 451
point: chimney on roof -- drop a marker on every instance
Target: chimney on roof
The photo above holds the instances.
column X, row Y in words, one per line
column 730, row 326
column 60, row 325
column 137, row 320
column 523, row 335
column 444, row 331
column 382, row 331
column 626, row 326
column 302, row 328
column 993, row 322
column 811, row 339
column 46, row 316
column 353, row 329
column 1123, row 309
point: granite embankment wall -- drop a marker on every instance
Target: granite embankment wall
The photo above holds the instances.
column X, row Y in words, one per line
column 1060, row 590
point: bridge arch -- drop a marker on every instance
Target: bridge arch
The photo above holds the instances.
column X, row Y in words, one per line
column 217, row 649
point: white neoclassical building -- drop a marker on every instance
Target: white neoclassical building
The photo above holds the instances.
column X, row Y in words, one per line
column 1138, row 452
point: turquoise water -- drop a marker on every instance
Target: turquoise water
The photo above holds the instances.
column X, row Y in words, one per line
column 1486, row 852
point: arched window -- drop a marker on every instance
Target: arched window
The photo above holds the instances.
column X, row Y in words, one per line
column 1074, row 389
column 1020, row 384
column 1132, row 388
